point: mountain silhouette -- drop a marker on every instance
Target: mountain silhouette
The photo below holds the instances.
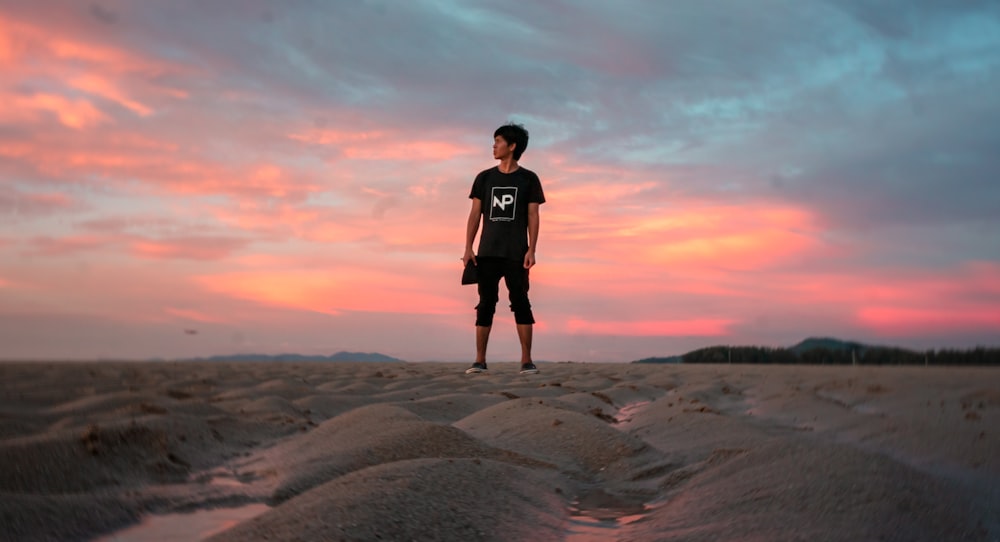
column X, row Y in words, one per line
column 297, row 358
column 812, row 343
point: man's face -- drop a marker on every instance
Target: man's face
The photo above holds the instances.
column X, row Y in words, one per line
column 501, row 149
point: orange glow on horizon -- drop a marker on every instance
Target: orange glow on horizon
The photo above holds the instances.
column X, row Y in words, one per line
column 194, row 315
column 333, row 292
column 908, row 321
column 177, row 250
column 700, row 327
column 694, row 235
column 751, row 250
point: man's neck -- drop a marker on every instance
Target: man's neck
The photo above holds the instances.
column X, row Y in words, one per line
column 507, row 165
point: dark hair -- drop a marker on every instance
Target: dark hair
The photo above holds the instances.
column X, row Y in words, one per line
column 516, row 134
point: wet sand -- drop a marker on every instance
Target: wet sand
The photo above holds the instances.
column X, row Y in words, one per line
column 421, row 451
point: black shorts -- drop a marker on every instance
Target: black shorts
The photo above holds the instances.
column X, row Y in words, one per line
column 515, row 276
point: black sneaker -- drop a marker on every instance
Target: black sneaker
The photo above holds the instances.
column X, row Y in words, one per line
column 529, row 369
column 477, row 367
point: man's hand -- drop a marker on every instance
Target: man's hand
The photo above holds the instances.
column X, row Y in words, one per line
column 529, row 259
column 469, row 255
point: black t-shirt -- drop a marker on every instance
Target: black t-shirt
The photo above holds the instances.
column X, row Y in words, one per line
column 505, row 198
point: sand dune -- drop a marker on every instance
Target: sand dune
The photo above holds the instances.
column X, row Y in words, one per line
column 396, row 451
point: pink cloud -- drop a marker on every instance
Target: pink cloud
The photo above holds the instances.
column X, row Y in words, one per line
column 160, row 166
column 333, row 291
column 697, row 236
column 385, row 145
column 194, row 315
column 35, row 49
column 105, row 88
column 751, row 236
column 322, row 224
column 964, row 299
column 74, row 113
column 29, row 204
column 982, row 277
column 704, row 327
column 71, row 244
column 187, row 248
column 89, row 71
column 192, row 247
column 903, row 321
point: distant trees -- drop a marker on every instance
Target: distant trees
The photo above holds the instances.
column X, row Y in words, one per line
column 740, row 354
column 976, row 356
column 865, row 355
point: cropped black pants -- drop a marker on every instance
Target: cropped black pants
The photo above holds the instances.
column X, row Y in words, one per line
column 490, row 271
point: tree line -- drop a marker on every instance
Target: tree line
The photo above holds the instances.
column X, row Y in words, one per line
column 872, row 355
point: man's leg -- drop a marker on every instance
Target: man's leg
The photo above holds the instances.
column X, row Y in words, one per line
column 489, row 287
column 524, row 335
column 516, row 278
column 482, row 339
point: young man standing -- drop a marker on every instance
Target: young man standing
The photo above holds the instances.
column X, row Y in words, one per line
column 506, row 199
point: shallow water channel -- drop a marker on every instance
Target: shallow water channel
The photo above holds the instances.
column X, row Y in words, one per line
column 185, row 527
column 595, row 516
column 598, row 516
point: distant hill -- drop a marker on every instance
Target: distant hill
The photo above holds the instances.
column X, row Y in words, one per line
column 299, row 358
column 670, row 359
column 361, row 356
column 828, row 343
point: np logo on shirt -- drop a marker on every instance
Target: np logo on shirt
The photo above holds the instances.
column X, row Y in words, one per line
column 502, row 206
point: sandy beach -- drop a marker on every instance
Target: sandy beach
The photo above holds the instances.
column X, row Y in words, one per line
column 421, row 451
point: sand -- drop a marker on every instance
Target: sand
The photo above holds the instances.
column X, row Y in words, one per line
column 421, row 451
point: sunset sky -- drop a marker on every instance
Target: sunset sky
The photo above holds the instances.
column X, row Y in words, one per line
column 192, row 178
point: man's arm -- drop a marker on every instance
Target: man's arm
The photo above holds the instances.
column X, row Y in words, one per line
column 471, row 227
column 533, row 222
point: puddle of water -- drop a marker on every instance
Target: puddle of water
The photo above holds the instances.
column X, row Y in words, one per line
column 626, row 412
column 186, row 527
column 599, row 516
column 592, row 531
column 226, row 479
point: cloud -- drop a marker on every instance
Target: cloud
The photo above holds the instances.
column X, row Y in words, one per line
column 18, row 203
column 111, row 242
column 384, row 146
column 104, row 88
column 103, row 14
column 905, row 322
column 332, row 291
column 61, row 246
column 188, row 248
column 669, row 328
column 194, row 315
column 963, row 301
column 73, row 113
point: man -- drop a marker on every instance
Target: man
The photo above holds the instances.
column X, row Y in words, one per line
column 506, row 199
